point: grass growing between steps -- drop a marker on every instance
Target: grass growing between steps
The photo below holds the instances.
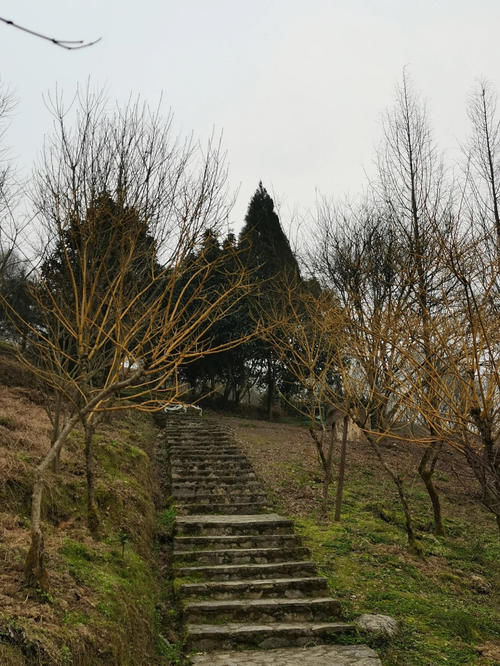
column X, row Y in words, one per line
column 447, row 601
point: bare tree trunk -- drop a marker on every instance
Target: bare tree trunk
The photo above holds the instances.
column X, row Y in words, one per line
column 270, row 387
column 326, row 463
column 56, row 426
column 398, row 481
column 426, row 471
column 34, row 568
column 340, row 482
column 93, row 520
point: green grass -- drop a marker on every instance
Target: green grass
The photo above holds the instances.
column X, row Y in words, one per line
column 443, row 619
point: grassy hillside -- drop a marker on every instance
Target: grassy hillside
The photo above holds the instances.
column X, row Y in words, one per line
column 108, row 605
column 105, row 597
column 447, row 602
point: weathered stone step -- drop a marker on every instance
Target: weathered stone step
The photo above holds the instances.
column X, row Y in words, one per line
column 270, row 588
column 179, row 452
column 262, row 610
column 227, row 496
column 202, row 465
column 241, row 555
column 240, row 571
column 209, row 457
column 211, row 485
column 208, row 474
column 204, row 525
column 232, row 508
column 242, row 541
column 219, row 480
column 271, row 635
column 320, row 655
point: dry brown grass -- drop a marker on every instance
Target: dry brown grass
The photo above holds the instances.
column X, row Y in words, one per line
column 282, row 453
column 73, row 619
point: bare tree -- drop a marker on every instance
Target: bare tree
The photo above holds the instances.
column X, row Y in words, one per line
column 122, row 303
column 483, row 165
column 465, row 372
column 305, row 331
column 361, row 257
column 411, row 189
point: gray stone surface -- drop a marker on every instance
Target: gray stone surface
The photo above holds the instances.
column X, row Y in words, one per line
column 250, row 585
column 378, row 625
column 322, row 655
column 241, row 520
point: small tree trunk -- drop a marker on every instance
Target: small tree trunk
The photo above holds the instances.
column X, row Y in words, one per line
column 270, row 387
column 340, row 483
column 93, row 520
column 34, row 568
column 55, row 433
column 413, row 547
column 426, row 471
column 412, row 542
column 326, row 463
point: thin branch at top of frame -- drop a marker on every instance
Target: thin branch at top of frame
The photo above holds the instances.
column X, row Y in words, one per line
column 70, row 45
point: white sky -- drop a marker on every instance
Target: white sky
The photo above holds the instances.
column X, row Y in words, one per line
column 298, row 87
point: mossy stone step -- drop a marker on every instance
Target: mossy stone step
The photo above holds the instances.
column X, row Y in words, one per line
column 227, row 496
column 214, row 456
column 262, row 610
column 222, row 480
column 201, row 465
column 270, row 588
column 320, row 655
column 241, row 555
column 242, row 541
column 179, row 451
column 230, row 508
column 186, row 489
column 205, row 525
column 263, row 635
column 241, row 571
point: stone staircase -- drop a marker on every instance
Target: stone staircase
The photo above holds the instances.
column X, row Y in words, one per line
column 245, row 581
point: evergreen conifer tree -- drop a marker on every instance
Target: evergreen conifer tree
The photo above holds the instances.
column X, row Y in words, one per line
column 270, row 258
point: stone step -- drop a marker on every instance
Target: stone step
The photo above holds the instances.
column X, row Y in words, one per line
column 270, row 588
column 190, row 494
column 179, row 452
column 208, row 457
column 220, row 480
column 204, row 525
column 270, row 635
column 225, row 496
column 229, row 508
column 242, row 541
column 212, row 485
column 202, row 466
column 243, row 571
column 320, row 655
column 207, row 474
column 241, row 555
column 262, row 610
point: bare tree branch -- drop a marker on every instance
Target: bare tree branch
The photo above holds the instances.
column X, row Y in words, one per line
column 68, row 44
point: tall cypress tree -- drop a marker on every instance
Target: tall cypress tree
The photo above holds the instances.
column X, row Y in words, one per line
column 262, row 237
column 269, row 256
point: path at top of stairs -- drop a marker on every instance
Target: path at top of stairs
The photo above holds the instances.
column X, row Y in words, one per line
column 249, row 592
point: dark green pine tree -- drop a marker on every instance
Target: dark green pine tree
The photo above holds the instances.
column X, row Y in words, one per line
column 262, row 238
column 269, row 256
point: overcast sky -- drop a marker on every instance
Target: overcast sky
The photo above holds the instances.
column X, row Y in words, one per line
column 298, row 87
